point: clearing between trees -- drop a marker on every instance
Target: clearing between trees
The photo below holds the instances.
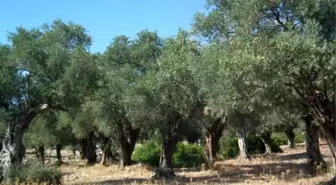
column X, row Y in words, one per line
column 289, row 167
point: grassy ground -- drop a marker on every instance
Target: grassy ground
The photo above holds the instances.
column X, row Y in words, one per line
column 288, row 168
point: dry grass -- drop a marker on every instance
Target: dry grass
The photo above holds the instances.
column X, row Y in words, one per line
column 288, row 168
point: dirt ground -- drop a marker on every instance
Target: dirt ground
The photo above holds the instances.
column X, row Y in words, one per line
column 288, row 168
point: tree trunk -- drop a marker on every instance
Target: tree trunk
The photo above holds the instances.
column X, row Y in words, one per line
column 40, row 151
column 13, row 149
column 266, row 139
column 83, row 148
column 243, row 153
column 127, row 139
column 107, row 154
column 105, row 146
column 291, row 137
column 90, row 152
column 170, row 139
column 330, row 137
column 74, row 149
column 58, row 154
column 209, row 154
column 214, row 133
column 312, row 142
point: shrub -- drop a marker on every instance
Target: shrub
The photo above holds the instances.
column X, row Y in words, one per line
column 229, row 146
column 149, row 153
column 300, row 137
column 35, row 172
column 279, row 138
column 188, row 155
column 255, row 145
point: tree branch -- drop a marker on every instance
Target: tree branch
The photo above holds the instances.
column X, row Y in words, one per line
column 277, row 18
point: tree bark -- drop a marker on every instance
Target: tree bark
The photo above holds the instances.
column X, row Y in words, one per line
column 243, row 153
column 83, row 148
column 90, row 152
column 266, row 139
column 13, row 149
column 312, row 142
column 40, row 151
column 171, row 136
column 330, row 137
column 105, row 146
column 291, row 137
column 214, row 133
column 127, row 139
column 58, row 154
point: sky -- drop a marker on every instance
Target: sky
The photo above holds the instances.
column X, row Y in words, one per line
column 104, row 19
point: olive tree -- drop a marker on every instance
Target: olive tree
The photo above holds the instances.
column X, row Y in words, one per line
column 169, row 94
column 46, row 68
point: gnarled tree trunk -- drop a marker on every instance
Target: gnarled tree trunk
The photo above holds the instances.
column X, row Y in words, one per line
column 170, row 138
column 214, row 133
column 243, row 153
column 83, row 148
column 127, row 139
column 312, row 142
column 105, row 146
column 291, row 137
column 266, row 139
column 58, row 154
column 40, row 151
column 13, row 149
column 330, row 137
column 90, row 152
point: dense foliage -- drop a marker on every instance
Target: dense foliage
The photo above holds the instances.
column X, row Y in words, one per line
column 247, row 68
column 35, row 171
column 186, row 155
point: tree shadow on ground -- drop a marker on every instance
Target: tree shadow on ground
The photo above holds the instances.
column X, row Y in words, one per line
column 229, row 173
column 302, row 155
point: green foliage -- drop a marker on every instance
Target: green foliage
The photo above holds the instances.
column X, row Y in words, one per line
column 49, row 130
column 35, row 171
column 300, row 137
column 188, row 155
column 149, row 153
column 279, row 138
column 255, row 145
column 229, row 146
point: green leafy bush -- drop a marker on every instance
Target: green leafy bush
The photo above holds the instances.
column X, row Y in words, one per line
column 300, row 138
column 35, row 172
column 255, row 145
column 188, row 155
column 149, row 153
column 229, row 146
column 279, row 138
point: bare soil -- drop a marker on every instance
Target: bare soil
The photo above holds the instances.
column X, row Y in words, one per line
column 288, row 168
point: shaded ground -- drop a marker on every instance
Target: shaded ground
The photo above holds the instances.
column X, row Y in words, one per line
column 288, row 168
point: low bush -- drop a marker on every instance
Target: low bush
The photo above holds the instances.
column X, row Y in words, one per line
column 229, row 146
column 300, row 137
column 188, row 155
column 148, row 153
column 279, row 138
column 35, row 171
